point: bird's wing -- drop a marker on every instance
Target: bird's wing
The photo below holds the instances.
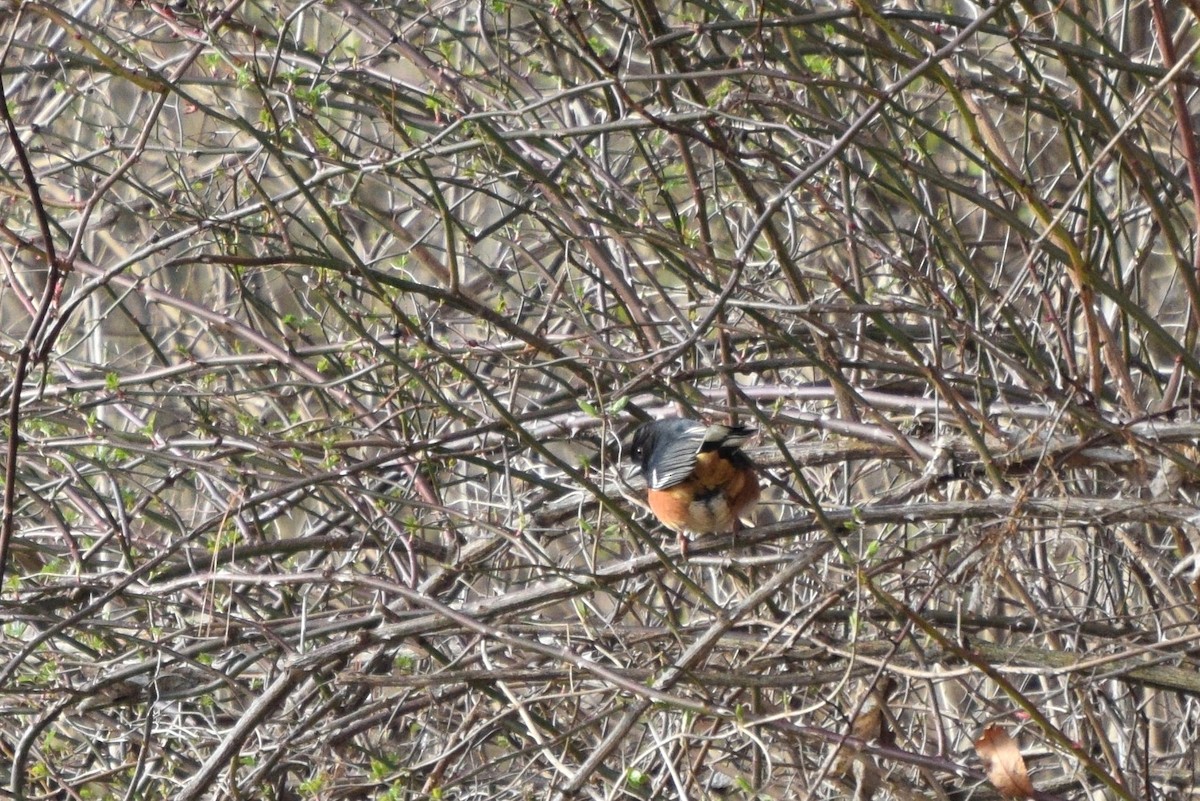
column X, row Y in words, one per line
column 677, row 458
column 729, row 437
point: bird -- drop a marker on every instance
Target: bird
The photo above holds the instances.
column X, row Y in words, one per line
column 698, row 478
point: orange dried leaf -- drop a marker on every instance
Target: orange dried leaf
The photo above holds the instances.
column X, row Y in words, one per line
column 1005, row 766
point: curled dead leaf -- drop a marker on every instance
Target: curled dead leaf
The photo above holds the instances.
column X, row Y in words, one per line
column 1004, row 764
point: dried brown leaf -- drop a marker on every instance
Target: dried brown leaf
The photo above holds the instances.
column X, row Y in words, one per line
column 1004, row 763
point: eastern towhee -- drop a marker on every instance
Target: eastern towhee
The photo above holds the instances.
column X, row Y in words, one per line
column 699, row 479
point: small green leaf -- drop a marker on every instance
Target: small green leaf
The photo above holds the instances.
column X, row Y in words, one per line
column 618, row 406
